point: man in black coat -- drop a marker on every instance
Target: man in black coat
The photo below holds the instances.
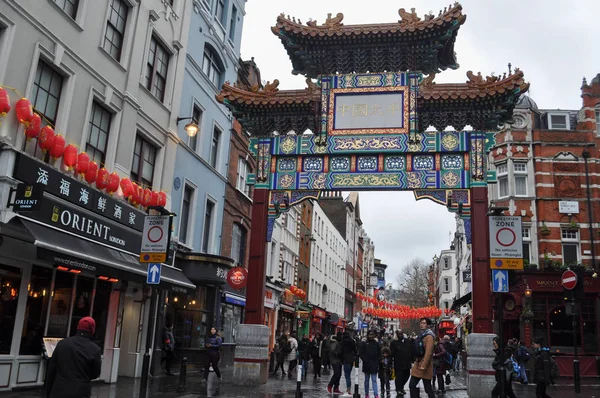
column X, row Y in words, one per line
column 401, row 348
column 75, row 362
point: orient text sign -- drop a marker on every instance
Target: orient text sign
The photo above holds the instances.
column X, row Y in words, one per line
column 28, row 197
column 32, row 171
column 369, row 111
column 506, row 237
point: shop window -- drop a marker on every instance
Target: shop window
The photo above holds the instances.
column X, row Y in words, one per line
column 36, row 310
column 61, row 305
column 193, row 317
column 83, row 302
column 10, row 283
column 231, row 317
column 100, row 312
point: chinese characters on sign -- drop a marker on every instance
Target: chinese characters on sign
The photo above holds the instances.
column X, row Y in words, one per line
column 369, row 111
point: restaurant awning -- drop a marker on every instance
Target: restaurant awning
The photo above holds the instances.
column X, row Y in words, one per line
column 459, row 302
column 78, row 253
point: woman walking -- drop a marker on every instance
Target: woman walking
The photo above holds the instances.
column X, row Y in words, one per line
column 280, row 353
column 213, row 350
column 439, row 365
column 349, row 353
column 335, row 358
column 370, row 353
column 316, row 346
column 496, row 364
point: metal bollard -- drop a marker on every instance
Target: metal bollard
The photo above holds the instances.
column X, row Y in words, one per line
column 356, row 372
column 182, row 376
column 299, row 381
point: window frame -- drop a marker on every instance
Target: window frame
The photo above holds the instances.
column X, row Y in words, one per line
column 243, row 243
column 521, row 174
column 567, row 239
column 108, row 24
column 502, row 175
column 216, row 149
column 215, row 64
column 150, row 83
column 62, row 8
column 597, row 113
column 190, row 217
column 232, row 24
column 243, row 168
column 96, row 101
column 208, row 230
column 567, row 121
column 140, row 179
column 526, row 234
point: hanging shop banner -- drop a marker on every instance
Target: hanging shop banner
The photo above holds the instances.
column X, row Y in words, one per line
column 237, row 278
column 28, row 197
column 32, row 171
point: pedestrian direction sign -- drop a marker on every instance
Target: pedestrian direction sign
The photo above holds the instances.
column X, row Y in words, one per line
column 500, row 281
column 506, row 263
column 153, row 277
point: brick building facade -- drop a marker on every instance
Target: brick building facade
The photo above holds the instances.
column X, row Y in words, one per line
column 547, row 163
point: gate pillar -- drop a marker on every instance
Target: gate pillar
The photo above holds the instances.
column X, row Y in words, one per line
column 252, row 337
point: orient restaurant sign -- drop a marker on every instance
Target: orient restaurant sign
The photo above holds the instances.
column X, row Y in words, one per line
column 28, row 197
column 32, row 171
column 62, row 215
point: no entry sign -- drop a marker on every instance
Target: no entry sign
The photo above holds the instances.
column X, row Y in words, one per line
column 506, row 237
column 569, row 279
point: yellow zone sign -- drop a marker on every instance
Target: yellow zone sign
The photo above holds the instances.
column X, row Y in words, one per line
column 506, row 263
column 153, row 257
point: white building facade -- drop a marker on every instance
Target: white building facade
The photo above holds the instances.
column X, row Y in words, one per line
column 328, row 264
column 447, row 279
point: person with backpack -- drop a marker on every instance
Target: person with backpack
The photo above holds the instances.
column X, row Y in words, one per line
column 401, row 349
column 508, row 368
column 335, row 358
column 542, row 367
column 422, row 369
column 292, row 356
column 523, row 356
column 449, row 358
column 439, row 365
column 280, row 353
column 459, row 349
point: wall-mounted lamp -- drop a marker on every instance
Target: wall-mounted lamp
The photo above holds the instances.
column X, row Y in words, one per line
column 528, row 291
column 191, row 128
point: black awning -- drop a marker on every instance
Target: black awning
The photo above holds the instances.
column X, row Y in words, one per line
column 460, row 302
column 78, row 253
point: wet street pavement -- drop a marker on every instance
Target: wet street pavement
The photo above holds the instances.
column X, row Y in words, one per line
column 166, row 387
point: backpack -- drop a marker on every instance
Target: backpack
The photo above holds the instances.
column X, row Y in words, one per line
column 554, row 371
column 287, row 348
column 516, row 369
column 448, row 358
column 523, row 355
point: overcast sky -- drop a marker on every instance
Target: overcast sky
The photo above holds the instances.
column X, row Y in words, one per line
column 554, row 42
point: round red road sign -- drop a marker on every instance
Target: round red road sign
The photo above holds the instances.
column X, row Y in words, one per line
column 569, row 279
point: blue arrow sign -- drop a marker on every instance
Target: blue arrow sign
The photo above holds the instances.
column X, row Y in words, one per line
column 153, row 277
column 500, row 280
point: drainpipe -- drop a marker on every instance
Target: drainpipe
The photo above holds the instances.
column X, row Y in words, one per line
column 585, row 154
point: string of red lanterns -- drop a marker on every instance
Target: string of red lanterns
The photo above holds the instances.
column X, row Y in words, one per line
column 81, row 165
column 296, row 291
column 396, row 311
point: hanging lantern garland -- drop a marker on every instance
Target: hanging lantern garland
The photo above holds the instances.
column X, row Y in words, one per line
column 81, row 165
column 396, row 311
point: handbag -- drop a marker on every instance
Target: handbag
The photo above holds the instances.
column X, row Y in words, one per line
column 393, row 374
column 448, row 380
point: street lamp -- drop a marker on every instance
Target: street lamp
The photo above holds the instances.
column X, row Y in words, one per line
column 192, row 127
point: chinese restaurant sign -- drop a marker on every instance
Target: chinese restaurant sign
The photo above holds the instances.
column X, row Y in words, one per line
column 32, row 171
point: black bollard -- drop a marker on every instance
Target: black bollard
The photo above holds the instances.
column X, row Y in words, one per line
column 182, row 376
column 299, row 381
column 356, row 370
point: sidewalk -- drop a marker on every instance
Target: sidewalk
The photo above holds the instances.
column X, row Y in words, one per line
column 166, row 387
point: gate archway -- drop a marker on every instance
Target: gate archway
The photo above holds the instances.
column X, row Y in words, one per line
column 370, row 131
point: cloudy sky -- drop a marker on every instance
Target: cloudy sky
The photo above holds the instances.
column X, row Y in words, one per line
column 552, row 41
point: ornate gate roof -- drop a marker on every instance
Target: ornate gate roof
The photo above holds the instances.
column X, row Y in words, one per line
column 413, row 43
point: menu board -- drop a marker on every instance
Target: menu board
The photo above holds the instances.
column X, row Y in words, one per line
column 50, row 344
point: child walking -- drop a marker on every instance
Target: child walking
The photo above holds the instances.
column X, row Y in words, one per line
column 385, row 372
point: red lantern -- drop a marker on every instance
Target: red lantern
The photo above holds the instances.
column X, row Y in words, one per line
column 34, row 127
column 162, row 198
column 83, row 163
column 113, row 183
column 4, row 102
column 154, row 199
column 92, row 172
column 46, row 140
column 135, row 194
column 126, row 187
column 147, row 196
column 70, row 156
column 58, row 147
column 102, row 178
column 24, row 111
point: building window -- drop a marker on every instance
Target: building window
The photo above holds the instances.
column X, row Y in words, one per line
column 220, row 11
column 208, row 219
column 238, row 244
column 570, row 247
column 242, row 175
column 526, row 232
column 115, row 28
column 232, row 23
column 214, row 147
column 10, row 284
column 520, row 170
column 211, row 66
column 598, row 119
column 197, row 116
column 100, row 119
column 144, row 159
column 447, row 285
column 186, row 214
column 47, row 89
column 156, row 69
column 68, row 6
column 557, row 121
column 502, row 176
column 446, row 263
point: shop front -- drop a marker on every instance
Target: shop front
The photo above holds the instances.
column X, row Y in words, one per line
column 271, row 304
column 74, row 254
column 286, row 318
column 304, row 319
column 318, row 315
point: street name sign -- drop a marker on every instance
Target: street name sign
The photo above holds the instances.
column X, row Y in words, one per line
column 153, row 277
column 155, row 239
column 506, row 263
column 500, row 281
column 506, row 237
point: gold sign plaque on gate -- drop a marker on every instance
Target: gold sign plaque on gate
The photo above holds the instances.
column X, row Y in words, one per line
column 506, row 263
